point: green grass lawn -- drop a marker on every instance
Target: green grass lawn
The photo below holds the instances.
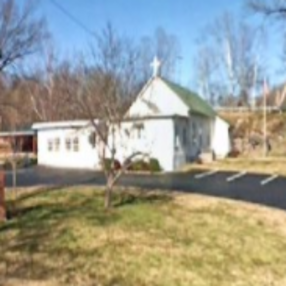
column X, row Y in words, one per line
column 64, row 237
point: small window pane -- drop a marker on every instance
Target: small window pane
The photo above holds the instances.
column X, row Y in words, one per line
column 50, row 145
column 75, row 144
column 57, row 144
column 68, row 144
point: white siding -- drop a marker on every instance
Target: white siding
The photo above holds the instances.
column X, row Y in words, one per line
column 156, row 139
column 85, row 158
column 158, row 99
column 221, row 139
column 173, row 142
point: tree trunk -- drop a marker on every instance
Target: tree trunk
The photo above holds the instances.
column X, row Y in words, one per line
column 2, row 197
column 14, row 187
column 108, row 196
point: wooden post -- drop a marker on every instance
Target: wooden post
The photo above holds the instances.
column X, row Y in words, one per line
column 2, row 197
column 34, row 144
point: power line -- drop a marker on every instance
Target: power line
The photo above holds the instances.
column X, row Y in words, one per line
column 72, row 18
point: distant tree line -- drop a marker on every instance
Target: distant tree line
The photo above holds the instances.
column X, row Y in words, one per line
column 36, row 84
column 231, row 61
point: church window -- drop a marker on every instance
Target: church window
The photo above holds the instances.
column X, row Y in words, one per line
column 68, row 144
column 177, row 143
column 57, row 144
column 185, row 137
column 201, row 137
column 194, row 127
column 76, row 144
column 127, row 132
column 208, row 140
column 50, row 145
column 139, row 127
column 92, row 139
column 176, row 137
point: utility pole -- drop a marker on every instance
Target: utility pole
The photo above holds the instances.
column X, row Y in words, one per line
column 253, row 97
column 265, row 92
column 2, row 177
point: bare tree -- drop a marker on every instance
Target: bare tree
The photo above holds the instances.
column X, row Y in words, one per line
column 273, row 8
column 50, row 86
column 234, row 47
column 106, row 91
column 13, row 147
column 163, row 45
column 21, row 32
column 205, row 70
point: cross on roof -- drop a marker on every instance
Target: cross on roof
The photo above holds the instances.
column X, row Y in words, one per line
column 156, row 64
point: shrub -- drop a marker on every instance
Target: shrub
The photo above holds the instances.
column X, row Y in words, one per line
column 107, row 164
column 7, row 165
column 139, row 165
column 154, row 165
column 234, row 153
column 33, row 161
column 21, row 163
column 199, row 161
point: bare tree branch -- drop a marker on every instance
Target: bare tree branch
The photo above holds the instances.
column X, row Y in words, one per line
column 275, row 8
column 21, row 32
column 231, row 49
column 105, row 90
column 166, row 47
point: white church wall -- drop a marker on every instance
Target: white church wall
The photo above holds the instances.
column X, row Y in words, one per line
column 158, row 99
column 154, row 138
column 221, row 138
column 66, row 148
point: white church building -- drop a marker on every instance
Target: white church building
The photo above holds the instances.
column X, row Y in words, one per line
column 172, row 124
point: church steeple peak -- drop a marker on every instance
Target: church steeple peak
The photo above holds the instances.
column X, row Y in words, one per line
column 156, row 65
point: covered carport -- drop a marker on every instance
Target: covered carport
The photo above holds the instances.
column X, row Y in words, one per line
column 22, row 141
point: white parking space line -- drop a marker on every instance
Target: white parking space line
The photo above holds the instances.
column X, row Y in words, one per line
column 236, row 176
column 269, row 180
column 200, row 176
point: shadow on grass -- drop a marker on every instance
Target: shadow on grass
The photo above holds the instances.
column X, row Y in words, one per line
column 41, row 223
column 143, row 197
column 37, row 226
column 37, row 192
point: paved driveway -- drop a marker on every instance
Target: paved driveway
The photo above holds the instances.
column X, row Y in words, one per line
column 48, row 176
column 261, row 189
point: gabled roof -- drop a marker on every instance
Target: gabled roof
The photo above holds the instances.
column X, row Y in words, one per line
column 191, row 99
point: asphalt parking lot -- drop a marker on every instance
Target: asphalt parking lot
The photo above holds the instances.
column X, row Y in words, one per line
column 269, row 190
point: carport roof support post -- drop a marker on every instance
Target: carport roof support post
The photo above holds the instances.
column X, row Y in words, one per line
column 2, row 197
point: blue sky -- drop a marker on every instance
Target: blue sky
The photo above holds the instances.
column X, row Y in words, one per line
column 136, row 18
